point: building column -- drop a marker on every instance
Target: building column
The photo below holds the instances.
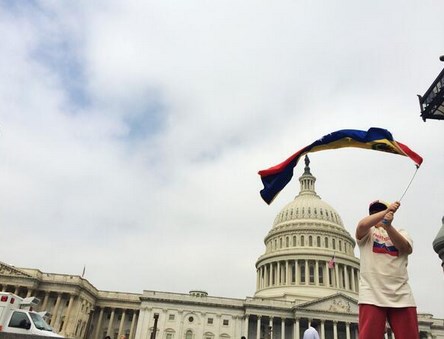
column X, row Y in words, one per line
column 29, row 293
column 347, row 330
column 335, row 330
column 99, row 325
column 307, row 273
column 353, row 279
column 296, row 330
column 322, row 329
column 110, row 324
column 257, row 277
column 336, row 268
column 270, row 274
column 258, row 327
column 287, row 271
column 143, row 323
column 278, row 280
column 56, row 311
column 347, row 284
column 316, row 273
column 282, row 328
column 133, row 323
column 68, row 314
column 122, row 322
column 45, row 302
column 246, row 320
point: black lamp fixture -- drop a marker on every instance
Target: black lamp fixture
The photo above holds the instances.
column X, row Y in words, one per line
column 432, row 102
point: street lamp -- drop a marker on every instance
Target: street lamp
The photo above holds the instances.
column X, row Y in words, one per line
column 153, row 334
column 432, row 102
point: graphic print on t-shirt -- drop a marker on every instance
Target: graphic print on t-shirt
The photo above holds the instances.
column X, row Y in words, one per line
column 383, row 244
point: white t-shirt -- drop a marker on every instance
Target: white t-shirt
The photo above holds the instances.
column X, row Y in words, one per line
column 384, row 277
column 310, row 333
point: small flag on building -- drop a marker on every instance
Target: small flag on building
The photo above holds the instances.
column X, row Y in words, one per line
column 331, row 262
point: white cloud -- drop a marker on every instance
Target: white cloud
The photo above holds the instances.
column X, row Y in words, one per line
column 134, row 131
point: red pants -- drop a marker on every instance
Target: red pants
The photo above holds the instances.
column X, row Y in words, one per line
column 372, row 319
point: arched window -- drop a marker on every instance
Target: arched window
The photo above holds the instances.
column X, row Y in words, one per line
column 302, row 240
column 318, row 241
column 310, row 241
column 326, row 242
column 287, row 242
column 189, row 334
column 294, row 240
column 334, row 244
column 280, row 242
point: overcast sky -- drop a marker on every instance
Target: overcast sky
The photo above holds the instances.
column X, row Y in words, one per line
column 131, row 132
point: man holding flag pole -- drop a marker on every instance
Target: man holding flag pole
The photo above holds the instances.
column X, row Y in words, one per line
column 384, row 292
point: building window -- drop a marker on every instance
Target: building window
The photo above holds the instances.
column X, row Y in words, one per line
column 294, row 240
column 334, row 244
column 171, row 317
column 210, row 321
column 189, row 334
column 302, row 240
column 311, row 270
column 318, row 241
column 169, row 336
column 190, row 319
column 326, row 242
column 340, row 245
column 280, row 242
column 287, row 242
column 310, row 241
column 321, row 275
column 302, row 275
column 225, row 322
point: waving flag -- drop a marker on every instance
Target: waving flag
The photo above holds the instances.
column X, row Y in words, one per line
column 331, row 262
column 277, row 177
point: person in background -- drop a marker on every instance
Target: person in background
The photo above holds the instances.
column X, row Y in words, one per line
column 384, row 292
column 311, row 332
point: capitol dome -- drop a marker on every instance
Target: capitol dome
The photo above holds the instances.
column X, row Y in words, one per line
column 305, row 236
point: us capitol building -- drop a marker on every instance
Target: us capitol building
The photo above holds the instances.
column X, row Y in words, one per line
column 294, row 285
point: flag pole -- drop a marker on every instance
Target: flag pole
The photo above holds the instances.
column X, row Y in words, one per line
column 413, row 177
